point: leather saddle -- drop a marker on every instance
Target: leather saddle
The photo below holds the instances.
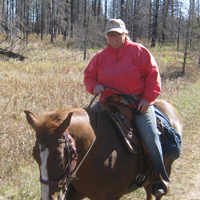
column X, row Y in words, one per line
column 122, row 117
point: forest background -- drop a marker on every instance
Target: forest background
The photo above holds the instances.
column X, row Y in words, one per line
column 45, row 45
column 82, row 22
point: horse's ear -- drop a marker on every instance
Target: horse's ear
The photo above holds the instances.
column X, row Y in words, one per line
column 31, row 118
column 64, row 125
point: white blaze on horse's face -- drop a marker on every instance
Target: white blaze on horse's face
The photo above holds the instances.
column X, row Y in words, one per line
column 44, row 173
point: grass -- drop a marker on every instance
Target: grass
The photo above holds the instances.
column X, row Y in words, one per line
column 51, row 77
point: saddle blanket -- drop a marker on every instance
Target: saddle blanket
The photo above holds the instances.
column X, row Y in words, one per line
column 172, row 144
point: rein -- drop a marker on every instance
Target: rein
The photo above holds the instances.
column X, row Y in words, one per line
column 129, row 98
column 71, row 177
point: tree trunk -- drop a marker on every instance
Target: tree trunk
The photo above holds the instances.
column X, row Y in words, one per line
column 179, row 28
column 122, row 9
column 27, row 21
column 52, row 20
column 37, row 29
column 134, row 34
column 164, row 19
column 155, row 25
column 150, row 14
column 72, row 19
column 66, row 19
column 105, row 13
column 172, row 8
column 85, row 26
column 99, row 10
column 12, row 15
column 199, row 33
column 94, row 7
column 113, row 12
column 6, row 20
column 186, row 40
column 43, row 14
column 24, row 19
column 55, row 21
column 1, row 13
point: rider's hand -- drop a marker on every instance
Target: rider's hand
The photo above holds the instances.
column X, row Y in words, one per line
column 143, row 106
column 98, row 89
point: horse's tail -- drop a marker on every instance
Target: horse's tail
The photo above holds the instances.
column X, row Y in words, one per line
column 168, row 109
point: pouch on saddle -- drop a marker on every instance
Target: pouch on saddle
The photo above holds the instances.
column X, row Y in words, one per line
column 122, row 117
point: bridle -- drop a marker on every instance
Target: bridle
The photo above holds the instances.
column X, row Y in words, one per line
column 71, row 155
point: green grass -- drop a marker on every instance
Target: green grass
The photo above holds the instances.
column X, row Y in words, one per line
column 51, row 77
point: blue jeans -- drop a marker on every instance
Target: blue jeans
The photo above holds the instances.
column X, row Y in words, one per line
column 146, row 126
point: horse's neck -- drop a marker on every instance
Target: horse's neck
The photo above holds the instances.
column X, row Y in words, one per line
column 82, row 132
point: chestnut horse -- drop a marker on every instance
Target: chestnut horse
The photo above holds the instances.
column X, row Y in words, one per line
column 80, row 154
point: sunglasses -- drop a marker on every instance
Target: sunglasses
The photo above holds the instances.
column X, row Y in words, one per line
column 110, row 34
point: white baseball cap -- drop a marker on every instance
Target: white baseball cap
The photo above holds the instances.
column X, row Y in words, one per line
column 115, row 25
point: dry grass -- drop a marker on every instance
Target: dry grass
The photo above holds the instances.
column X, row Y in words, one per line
column 52, row 78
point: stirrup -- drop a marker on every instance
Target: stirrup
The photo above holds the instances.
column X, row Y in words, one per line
column 165, row 187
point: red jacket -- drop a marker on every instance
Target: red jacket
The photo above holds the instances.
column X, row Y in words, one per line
column 131, row 69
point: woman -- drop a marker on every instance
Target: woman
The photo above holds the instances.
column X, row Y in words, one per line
column 129, row 67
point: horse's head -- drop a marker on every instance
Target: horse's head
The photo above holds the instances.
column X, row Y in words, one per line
column 54, row 152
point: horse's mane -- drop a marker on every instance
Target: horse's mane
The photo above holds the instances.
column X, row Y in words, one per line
column 49, row 121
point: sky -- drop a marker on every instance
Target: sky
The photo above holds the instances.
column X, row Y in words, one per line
column 186, row 2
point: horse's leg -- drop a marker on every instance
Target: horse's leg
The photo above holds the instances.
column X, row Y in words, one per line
column 148, row 192
column 168, row 164
column 73, row 194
